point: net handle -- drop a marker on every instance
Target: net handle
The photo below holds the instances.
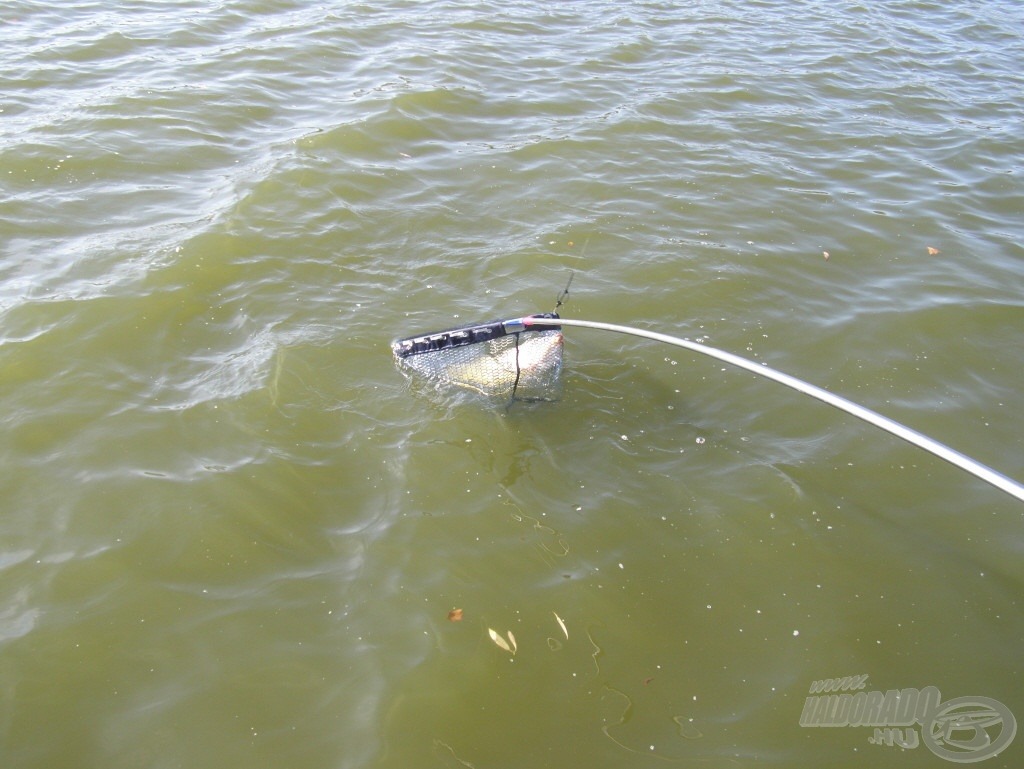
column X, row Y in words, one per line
column 920, row 440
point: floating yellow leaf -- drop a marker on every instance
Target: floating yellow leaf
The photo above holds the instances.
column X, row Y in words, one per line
column 455, row 615
column 512, row 638
column 501, row 642
column 561, row 624
column 933, row 251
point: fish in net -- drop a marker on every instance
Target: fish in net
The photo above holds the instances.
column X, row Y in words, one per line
column 500, row 359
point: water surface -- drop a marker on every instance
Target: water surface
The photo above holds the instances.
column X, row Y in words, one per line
column 231, row 531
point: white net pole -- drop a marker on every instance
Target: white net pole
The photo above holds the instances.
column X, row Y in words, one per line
column 930, row 445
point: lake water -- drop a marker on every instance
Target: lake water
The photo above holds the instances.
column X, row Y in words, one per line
column 232, row 532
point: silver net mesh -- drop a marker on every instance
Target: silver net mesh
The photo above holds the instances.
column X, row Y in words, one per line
column 525, row 365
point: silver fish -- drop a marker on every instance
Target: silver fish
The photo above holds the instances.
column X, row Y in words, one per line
column 537, row 359
column 498, row 368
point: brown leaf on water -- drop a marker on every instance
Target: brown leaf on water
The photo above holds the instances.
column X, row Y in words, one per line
column 455, row 615
column 933, row 251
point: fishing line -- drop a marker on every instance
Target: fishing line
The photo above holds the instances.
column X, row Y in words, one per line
column 519, row 371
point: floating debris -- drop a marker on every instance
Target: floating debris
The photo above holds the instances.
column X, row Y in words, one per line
column 561, row 624
column 501, row 642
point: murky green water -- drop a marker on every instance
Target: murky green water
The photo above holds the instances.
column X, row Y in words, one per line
column 232, row 534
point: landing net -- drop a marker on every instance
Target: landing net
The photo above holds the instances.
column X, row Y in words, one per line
column 523, row 358
column 500, row 359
